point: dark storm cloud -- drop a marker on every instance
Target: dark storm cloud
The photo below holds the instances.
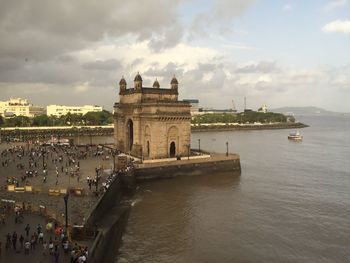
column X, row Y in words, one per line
column 42, row 29
column 39, row 36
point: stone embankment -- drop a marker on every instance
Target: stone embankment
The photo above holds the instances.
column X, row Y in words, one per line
column 243, row 127
column 212, row 163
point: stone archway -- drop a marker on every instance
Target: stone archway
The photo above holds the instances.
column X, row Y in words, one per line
column 172, row 149
column 147, row 141
column 173, row 141
column 130, row 134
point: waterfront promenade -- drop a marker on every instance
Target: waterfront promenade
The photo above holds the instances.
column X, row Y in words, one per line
column 66, row 169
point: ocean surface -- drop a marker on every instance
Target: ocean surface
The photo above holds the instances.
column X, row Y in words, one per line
column 290, row 204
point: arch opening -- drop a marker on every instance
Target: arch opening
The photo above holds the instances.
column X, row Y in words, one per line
column 130, row 134
column 172, row 150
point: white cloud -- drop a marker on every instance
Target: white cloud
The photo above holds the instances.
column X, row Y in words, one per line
column 337, row 26
column 334, row 4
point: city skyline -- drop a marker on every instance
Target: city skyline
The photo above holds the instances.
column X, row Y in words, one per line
column 278, row 53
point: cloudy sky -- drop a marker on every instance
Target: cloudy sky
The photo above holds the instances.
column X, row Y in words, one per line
column 278, row 53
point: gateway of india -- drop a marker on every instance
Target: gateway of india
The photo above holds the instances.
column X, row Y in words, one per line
column 150, row 122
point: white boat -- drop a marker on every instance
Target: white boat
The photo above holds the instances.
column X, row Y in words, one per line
column 295, row 136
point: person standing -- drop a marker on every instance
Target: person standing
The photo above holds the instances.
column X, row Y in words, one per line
column 14, row 241
column 21, row 239
column 27, row 229
column 26, row 247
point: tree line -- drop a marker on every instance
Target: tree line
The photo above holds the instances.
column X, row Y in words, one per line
column 91, row 118
column 243, row 117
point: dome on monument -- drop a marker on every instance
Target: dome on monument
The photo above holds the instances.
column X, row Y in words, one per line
column 156, row 84
column 174, row 81
column 122, row 81
column 138, row 77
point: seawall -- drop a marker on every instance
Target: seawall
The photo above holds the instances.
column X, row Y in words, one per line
column 169, row 169
column 107, row 221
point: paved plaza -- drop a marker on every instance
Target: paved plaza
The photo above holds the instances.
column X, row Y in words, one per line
column 39, row 254
column 66, row 168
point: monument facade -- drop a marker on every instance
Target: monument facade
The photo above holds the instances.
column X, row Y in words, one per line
column 150, row 122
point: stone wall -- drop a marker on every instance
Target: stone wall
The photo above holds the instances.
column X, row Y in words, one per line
column 200, row 168
column 108, row 239
column 105, row 203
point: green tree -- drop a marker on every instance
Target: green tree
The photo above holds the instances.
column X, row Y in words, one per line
column 42, row 120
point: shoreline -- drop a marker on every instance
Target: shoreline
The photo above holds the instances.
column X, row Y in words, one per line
column 29, row 133
column 244, row 127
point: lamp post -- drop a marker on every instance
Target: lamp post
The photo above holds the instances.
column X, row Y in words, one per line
column 97, row 178
column 188, row 151
column 43, row 155
column 65, row 198
column 226, row 148
column 199, row 145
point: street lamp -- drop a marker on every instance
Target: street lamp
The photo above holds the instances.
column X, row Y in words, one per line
column 226, row 148
column 43, row 155
column 97, row 178
column 199, row 145
column 114, row 153
column 188, row 151
column 65, row 198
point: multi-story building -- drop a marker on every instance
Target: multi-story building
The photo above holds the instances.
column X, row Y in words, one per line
column 19, row 107
column 59, row 110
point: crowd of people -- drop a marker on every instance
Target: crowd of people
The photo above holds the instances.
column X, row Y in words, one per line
column 55, row 161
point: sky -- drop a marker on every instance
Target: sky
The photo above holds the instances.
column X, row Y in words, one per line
column 274, row 53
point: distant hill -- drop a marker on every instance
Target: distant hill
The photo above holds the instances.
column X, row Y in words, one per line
column 305, row 111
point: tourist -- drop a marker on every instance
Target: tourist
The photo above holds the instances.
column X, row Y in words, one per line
column 21, row 239
column 51, row 246
column 14, row 241
column 32, row 243
column 26, row 247
column 39, row 228
column 41, row 237
column 56, row 254
column 44, row 248
column 27, row 229
column 65, row 246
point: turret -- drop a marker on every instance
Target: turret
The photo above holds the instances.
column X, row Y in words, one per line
column 174, row 83
column 156, row 84
column 122, row 84
column 138, row 81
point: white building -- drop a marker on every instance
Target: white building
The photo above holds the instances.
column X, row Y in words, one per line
column 263, row 109
column 19, row 107
column 59, row 110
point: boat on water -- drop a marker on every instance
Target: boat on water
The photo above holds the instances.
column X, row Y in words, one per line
column 295, row 136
